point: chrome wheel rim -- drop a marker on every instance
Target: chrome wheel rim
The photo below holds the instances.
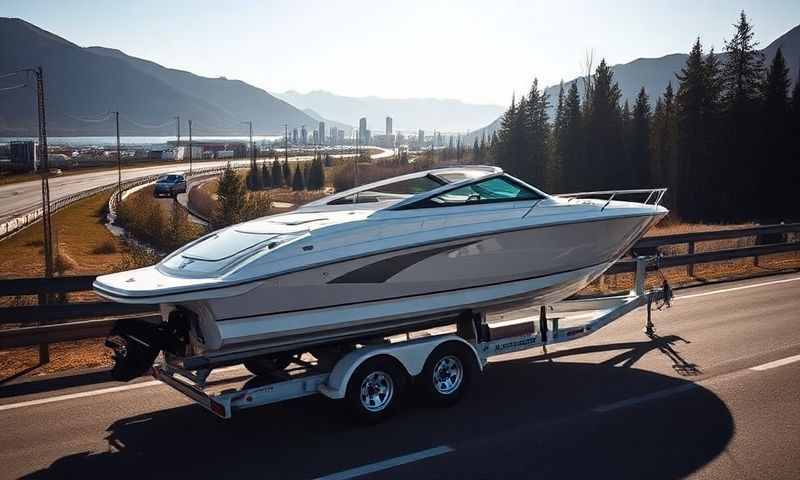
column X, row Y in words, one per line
column 377, row 390
column 448, row 374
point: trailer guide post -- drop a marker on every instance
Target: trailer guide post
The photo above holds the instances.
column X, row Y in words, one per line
column 441, row 362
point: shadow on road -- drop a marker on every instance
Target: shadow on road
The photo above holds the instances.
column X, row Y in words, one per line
column 522, row 417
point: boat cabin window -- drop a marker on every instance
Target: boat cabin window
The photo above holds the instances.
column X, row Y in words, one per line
column 392, row 191
column 491, row 190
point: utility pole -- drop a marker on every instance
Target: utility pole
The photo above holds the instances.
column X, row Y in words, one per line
column 178, row 143
column 355, row 164
column 190, row 147
column 286, row 143
column 119, row 160
column 47, row 240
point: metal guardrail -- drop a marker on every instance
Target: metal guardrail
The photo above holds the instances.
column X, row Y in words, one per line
column 23, row 220
column 90, row 320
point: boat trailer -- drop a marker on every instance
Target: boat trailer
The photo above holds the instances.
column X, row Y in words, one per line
column 440, row 361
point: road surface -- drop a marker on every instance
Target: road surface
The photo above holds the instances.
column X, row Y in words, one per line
column 716, row 395
column 20, row 198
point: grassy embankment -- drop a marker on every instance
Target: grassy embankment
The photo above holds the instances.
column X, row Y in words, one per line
column 85, row 247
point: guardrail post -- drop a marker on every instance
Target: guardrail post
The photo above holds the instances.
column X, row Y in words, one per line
column 44, row 348
column 690, row 267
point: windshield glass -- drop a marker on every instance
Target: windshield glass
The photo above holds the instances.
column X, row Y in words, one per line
column 168, row 178
column 392, row 191
column 497, row 189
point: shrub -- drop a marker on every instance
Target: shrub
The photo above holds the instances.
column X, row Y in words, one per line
column 108, row 246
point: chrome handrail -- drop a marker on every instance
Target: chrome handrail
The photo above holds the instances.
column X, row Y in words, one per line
column 654, row 194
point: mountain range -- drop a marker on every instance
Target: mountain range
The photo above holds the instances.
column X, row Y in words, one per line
column 407, row 113
column 655, row 73
column 81, row 84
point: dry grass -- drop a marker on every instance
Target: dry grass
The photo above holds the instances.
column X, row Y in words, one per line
column 63, row 357
column 79, row 231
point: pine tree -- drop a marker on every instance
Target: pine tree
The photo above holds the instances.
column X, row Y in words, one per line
column 316, row 176
column 476, row 150
column 604, row 130
column 266, row 177
column 571, row 143
column 297, row 179
column 277, row 174
column 741, row 77
column 693, row 136
column 640, row 140
column 627, row 159
column 232, row 198
column 774, row 196
column 663, row 140
column 536, row 156
column 306, row 173
column 794, row 129
column 287, row 174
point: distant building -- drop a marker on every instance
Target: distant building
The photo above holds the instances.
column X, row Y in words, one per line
column 388, row 126
column 315, row 137
column 333, row 135
column 321, row 133
column 362, row 130
column 304, row 135
column 421, row 137
column 294, row 136
column 23, row 155
column 340, row 136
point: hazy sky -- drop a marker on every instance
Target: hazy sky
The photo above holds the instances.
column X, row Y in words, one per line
column 474, row 51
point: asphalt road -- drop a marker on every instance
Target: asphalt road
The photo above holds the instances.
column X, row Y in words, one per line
column 716, row 395
column 24, row 197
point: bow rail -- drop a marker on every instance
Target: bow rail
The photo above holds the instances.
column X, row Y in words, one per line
column 653, row 194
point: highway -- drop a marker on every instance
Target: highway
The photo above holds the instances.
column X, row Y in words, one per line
column 20, row 198
column 715, row 395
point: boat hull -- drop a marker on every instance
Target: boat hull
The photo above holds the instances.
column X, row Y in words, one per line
column 525, row 266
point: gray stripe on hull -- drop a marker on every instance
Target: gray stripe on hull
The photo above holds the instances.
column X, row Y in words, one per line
column 383, row 270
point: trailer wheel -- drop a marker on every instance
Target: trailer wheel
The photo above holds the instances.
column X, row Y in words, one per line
column 374, row 389
column 447, row 374
column 267, row 364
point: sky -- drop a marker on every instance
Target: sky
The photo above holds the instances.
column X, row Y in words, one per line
column 477, row 52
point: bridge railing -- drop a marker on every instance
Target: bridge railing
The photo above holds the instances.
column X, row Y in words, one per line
column 27, row 325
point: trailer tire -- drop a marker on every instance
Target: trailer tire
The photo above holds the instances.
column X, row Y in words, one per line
column 374, row 389
column 447, row 374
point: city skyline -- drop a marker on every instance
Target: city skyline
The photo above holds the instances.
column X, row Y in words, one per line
column 511, row 45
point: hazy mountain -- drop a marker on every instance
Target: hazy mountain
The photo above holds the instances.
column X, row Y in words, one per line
column 655, row 73
column 81, row 83
column 328, row 122
column 407, row 113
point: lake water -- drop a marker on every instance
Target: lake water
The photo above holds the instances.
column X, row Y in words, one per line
column 129, row 140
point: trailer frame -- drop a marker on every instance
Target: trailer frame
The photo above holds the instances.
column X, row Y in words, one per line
column 472, row 332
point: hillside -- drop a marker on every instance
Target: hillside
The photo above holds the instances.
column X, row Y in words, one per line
column 82, row 82
column 655, row 73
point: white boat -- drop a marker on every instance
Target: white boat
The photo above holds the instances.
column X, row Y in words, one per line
column 380, row 258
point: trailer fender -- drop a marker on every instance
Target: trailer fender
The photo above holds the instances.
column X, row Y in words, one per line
column 411, row 355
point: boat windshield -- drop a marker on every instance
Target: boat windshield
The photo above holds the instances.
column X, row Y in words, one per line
column 392, row 191
column 491, row 190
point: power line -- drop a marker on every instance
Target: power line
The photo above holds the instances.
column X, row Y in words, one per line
column 13, row 87
column 106, row 117
column 142, row 125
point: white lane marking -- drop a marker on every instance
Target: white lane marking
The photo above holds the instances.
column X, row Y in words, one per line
column 644, row 398
column 776, row 363
column 733, row 289
column 92, row 393
column 70, row 396
column 386, row 464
